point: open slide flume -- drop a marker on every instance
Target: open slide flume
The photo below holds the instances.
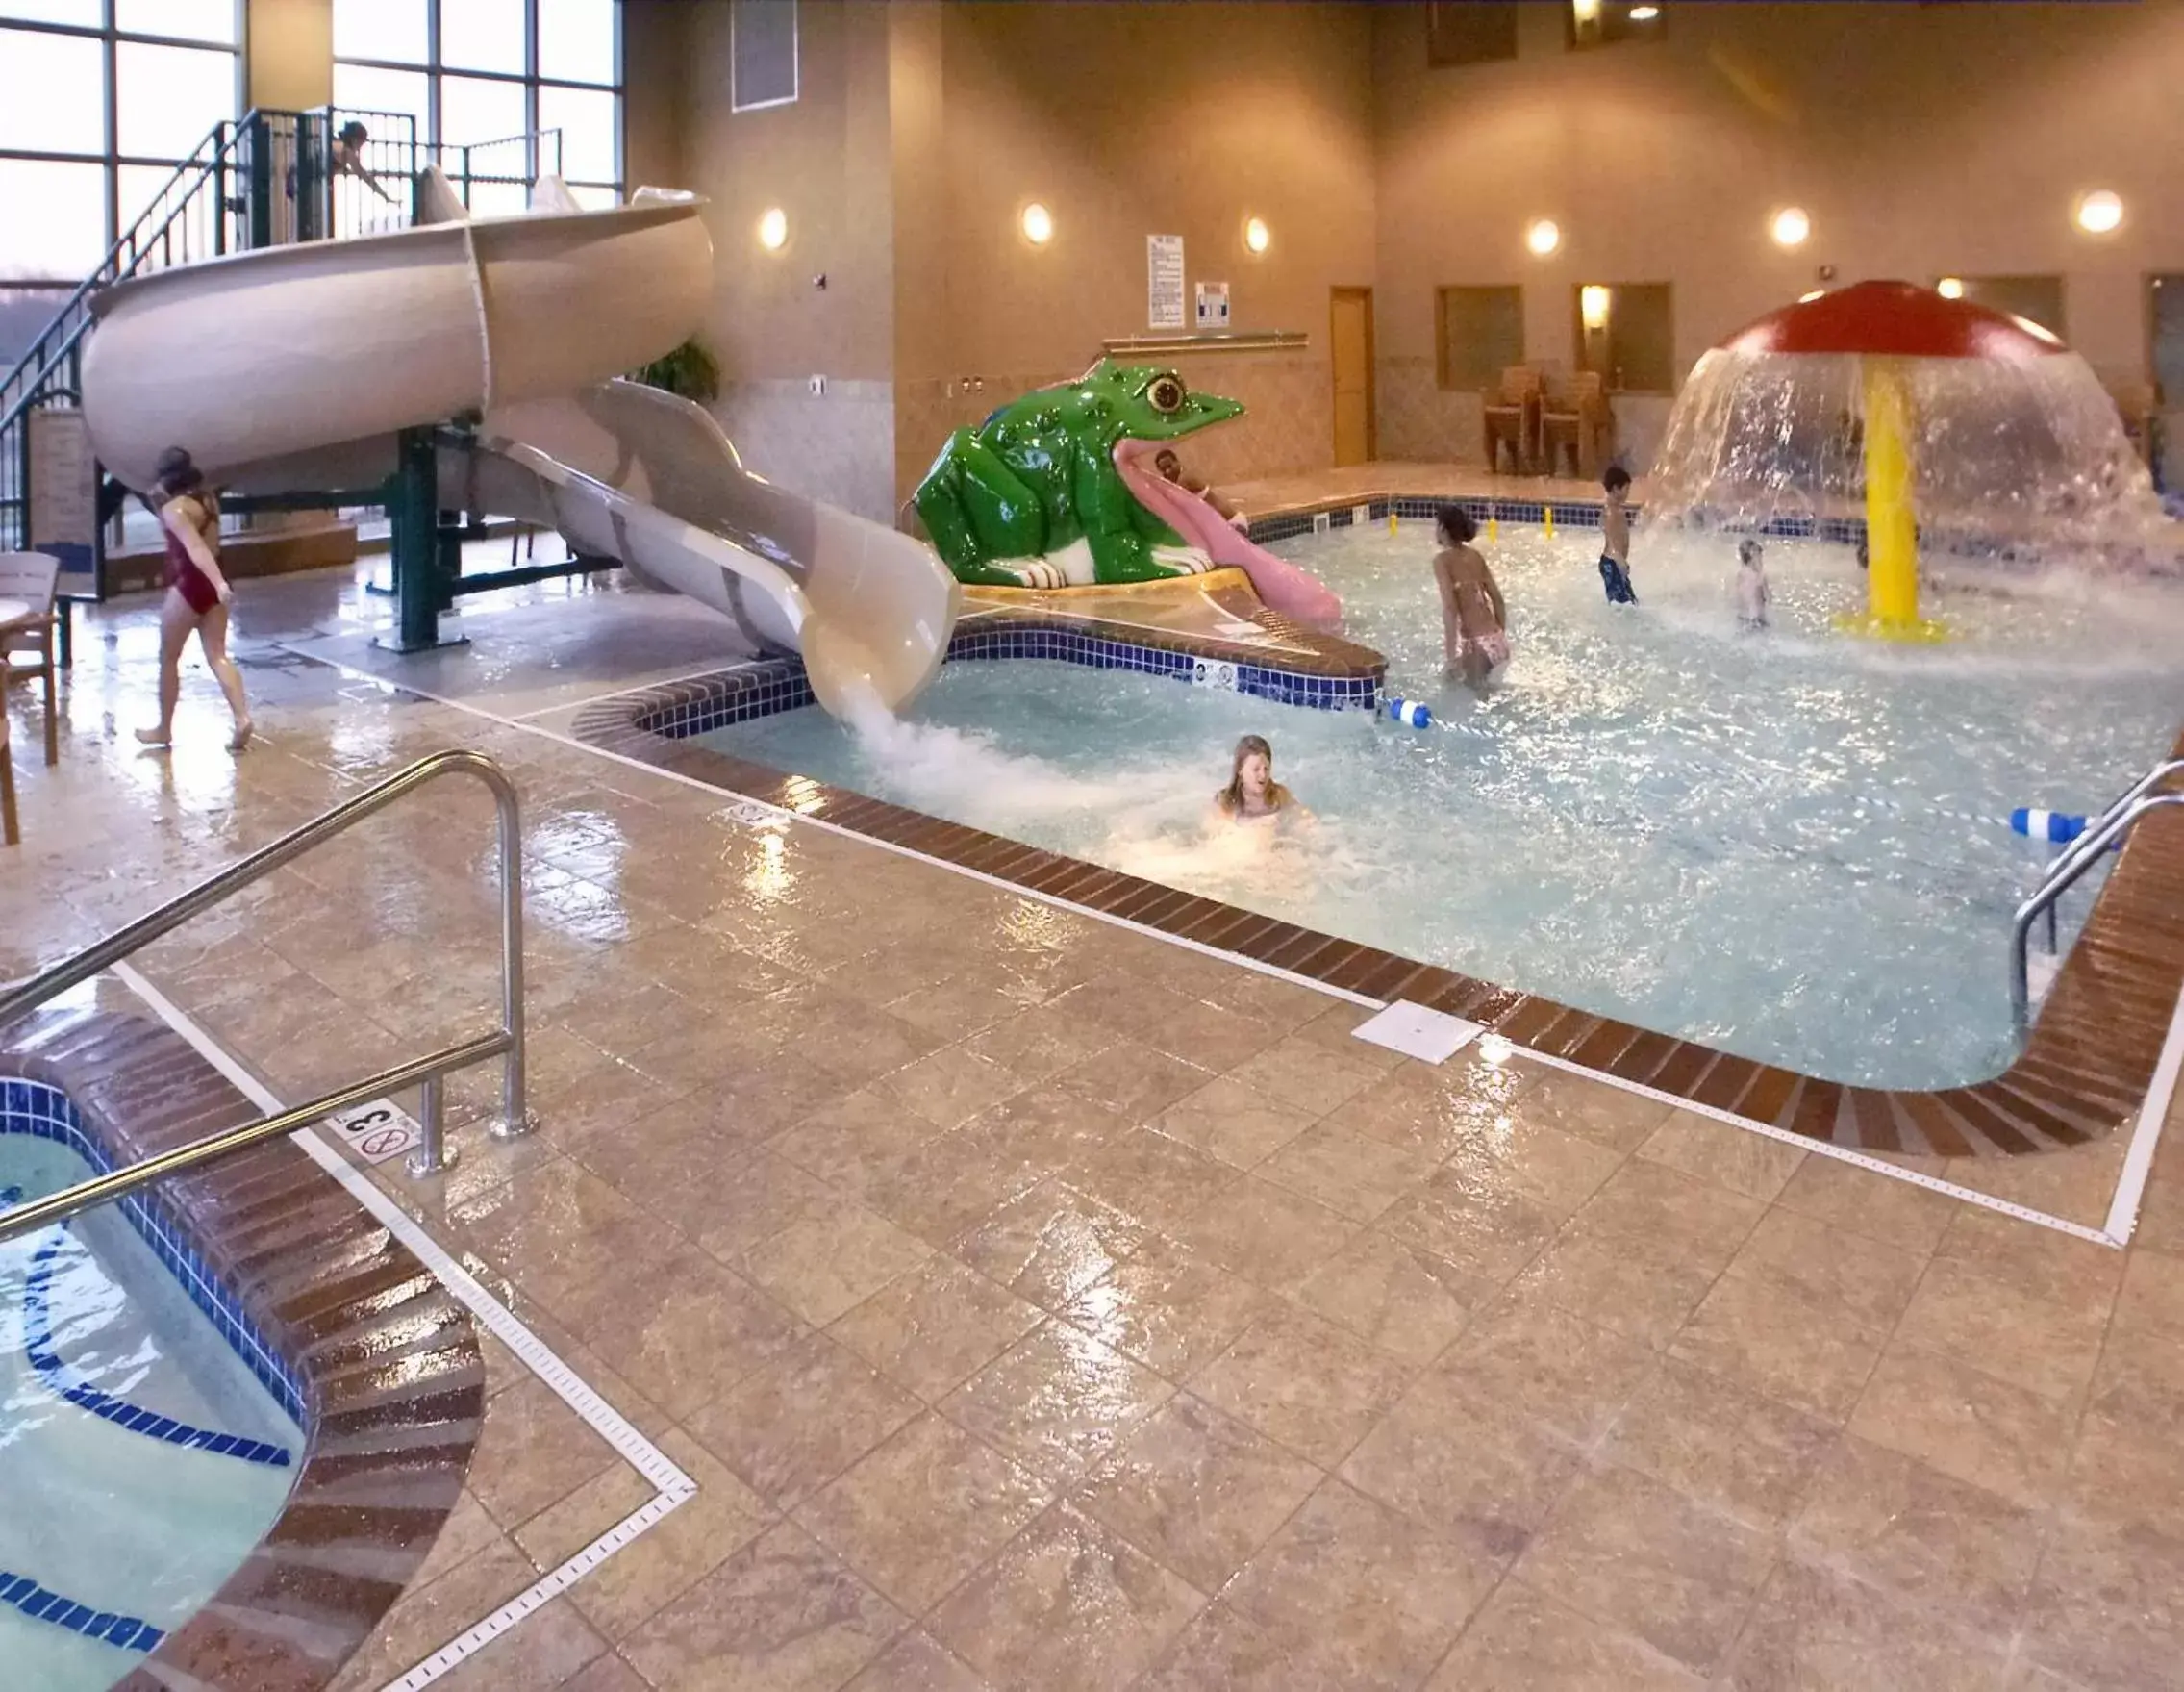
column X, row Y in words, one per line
column 295, row 368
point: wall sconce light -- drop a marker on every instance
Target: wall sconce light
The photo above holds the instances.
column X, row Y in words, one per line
column 1643, row 13
column 1543, row 237
column 1587, row 13
column 1593, row 300
column 1951, row 288
column 1256, row 237
column 1038, row 224
column 2099, row 213
column 773, row 229
column 1790, row 227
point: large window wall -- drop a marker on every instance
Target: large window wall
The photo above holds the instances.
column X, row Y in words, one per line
column 99, row 101
column 473, row 71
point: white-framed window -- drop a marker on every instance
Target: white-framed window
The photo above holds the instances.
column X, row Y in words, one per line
column 100, row 100
column 479, row 74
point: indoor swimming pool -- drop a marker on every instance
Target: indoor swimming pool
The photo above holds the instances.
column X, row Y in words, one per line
column 142, row 1457
column 1789, row 845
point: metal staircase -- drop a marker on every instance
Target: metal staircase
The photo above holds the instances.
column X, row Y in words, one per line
column 267, row 179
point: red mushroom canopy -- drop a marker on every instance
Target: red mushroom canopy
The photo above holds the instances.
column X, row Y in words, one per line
column 1895, row 319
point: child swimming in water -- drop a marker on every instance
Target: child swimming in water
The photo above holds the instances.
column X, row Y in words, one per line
column 1252, row 790
column 1751, row 588
column 1474, row 619
column 1614, row 537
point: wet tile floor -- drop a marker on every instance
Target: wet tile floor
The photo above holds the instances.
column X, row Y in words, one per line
column 1039, row 1304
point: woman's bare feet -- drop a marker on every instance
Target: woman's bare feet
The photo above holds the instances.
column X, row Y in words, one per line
column 241, row 736
column 155, row 737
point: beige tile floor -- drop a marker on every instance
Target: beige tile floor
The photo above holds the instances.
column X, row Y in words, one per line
column 1041, row 1305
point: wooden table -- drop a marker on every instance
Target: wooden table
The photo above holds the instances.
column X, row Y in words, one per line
column 11, row 613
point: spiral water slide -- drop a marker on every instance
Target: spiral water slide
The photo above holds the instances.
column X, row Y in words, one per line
column 295, row 367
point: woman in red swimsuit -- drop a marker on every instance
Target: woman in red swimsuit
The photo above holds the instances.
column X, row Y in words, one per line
column 197, row 595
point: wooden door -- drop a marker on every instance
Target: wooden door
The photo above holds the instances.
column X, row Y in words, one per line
column 1349, row 342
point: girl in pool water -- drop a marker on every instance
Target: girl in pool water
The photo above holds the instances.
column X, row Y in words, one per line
column 1252, row 790
column 1475, row 618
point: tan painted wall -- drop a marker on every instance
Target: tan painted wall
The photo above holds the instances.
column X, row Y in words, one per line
column 289, row 53
column 655, row 47
column 1922, row 139
column 825, row 162
column 1129, row 119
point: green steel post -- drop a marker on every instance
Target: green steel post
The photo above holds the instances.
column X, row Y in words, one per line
column 260, row 182
column 421, row 591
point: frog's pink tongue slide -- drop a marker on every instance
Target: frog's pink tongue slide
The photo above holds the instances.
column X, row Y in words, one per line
column 1281, row 586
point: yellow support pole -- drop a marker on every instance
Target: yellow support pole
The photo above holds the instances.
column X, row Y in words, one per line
column 1891, row 530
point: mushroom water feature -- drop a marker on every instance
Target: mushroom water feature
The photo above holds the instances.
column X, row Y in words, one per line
column 1948, row 426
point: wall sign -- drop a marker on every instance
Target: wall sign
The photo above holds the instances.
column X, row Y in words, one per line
column 1163, row 281
column 1213, row 305
column 65, row 497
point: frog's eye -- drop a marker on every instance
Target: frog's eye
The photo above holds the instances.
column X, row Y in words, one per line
column 1166, row 396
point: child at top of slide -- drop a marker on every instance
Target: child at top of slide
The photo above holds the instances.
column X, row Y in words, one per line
column 1751, row 587
column 1614, row 537
column 1475, row 618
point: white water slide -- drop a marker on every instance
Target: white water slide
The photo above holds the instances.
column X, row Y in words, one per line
column 294, row 367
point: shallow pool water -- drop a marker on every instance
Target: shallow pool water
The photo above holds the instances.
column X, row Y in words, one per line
column 120, row 1521
column 1790, row 844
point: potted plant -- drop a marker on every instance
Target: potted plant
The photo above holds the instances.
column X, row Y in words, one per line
column 689, row 372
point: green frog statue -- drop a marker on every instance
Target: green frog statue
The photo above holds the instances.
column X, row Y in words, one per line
column 1039, row 495
column 1059, row 490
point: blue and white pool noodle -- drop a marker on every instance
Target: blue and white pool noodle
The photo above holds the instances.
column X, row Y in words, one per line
column 1410, row 713
column 2053, row 826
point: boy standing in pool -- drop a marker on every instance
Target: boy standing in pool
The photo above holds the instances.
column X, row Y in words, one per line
column 1751, row 587
column 1615, row 537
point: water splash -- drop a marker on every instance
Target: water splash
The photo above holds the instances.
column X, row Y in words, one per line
column 2028, row 460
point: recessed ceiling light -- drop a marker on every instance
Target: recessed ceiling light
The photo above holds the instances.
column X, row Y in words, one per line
column 1038, row 224
column 773, row 229
column 1791, row 226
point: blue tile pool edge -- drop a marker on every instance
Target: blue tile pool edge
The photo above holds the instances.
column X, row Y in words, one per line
column 774, row 685
column 41, row 1603
column 44, row 1112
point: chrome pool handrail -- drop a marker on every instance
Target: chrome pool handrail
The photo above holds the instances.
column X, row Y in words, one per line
column 103, row 1189
column 19, row 998
column 2146, row 783
column 2115, row 822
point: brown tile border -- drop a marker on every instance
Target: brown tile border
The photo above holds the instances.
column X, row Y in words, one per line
column 394, row 1382
column 2082, row 1073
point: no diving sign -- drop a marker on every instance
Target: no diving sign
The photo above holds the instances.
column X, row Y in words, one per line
column 376, row 1132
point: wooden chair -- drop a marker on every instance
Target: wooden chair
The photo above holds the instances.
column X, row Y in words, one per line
column 1513, row 417
column 2135, row 406
column 11, row 831
column 34, row 577
column 1577, row 419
